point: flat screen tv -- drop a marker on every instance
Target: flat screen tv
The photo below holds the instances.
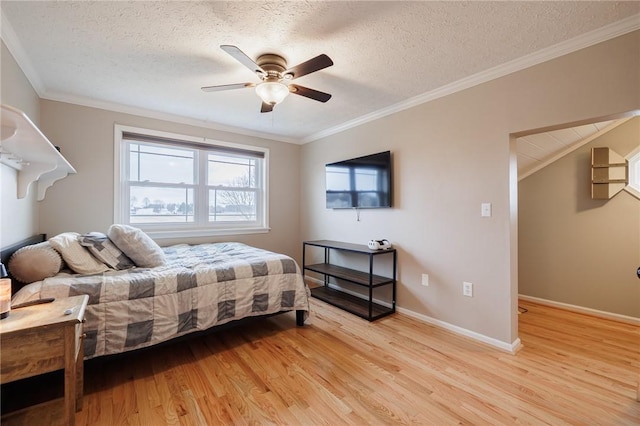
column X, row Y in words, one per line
column 359, row 183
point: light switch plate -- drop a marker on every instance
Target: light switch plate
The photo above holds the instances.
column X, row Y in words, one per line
column 485, row 209
column 425, row 280
column 467, row 289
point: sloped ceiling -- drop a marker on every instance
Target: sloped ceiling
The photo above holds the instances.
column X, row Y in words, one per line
column 540, row 149
column 151, row 58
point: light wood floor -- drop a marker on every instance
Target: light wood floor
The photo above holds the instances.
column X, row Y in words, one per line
column 339, row 369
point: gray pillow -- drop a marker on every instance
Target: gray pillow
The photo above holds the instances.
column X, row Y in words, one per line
column 103, row 249
column 137, row 245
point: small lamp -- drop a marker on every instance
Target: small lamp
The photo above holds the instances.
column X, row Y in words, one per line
column 5, row 293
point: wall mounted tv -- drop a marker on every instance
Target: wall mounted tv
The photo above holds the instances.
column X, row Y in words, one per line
column 359, row 183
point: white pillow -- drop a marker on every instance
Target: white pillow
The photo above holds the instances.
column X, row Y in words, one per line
column 77, row 257
column 137, row 245
column 35, row 263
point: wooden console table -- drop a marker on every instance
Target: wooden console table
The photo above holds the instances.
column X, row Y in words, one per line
column 39, row 339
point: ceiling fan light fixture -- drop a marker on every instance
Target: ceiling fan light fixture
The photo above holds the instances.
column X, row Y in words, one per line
column 272, row 92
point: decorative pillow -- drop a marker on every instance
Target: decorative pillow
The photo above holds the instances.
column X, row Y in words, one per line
column 140, row 248
column 103, row 249
column 35, row 263
column 77, row 257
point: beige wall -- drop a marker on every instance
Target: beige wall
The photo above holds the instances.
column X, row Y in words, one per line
column 84, row 202
column 576, row 250
column 18, row 217
column 452, row 154
column 16, row 89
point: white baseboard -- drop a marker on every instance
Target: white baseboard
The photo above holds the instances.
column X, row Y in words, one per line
column 511, row 348
column 582, row 310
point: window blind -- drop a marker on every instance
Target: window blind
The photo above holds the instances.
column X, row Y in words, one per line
column 136, row 137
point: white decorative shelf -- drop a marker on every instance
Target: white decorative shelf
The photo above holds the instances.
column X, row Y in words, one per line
column 24, row 148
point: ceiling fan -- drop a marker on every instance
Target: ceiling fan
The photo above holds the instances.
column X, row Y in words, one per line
column 272, row 70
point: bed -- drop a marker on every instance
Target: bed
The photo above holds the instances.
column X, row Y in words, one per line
column 197, row 288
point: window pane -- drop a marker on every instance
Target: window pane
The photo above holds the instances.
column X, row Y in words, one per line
column 160, row 205
column 338, row 179
column 634, row 172
column 366, row 179
column 339, row 200
column 231, row 171
column 153, row 163
column 369, row 199
column 134, row 162
column 228, row 205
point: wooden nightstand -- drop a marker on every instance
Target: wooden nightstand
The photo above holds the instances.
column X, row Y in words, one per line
column 39, row 339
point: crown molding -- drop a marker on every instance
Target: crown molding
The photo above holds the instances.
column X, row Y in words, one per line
column 624, row 26
column 173, row 118
column 12, row 42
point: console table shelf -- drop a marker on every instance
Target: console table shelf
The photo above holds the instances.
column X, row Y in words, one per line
column 363, row 306
column 350, row 303
column 347, row 274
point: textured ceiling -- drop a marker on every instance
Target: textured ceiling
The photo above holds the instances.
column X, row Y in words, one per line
column 153, row 57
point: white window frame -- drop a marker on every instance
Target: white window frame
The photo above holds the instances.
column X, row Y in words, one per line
column 201, row 227
column 632, row 188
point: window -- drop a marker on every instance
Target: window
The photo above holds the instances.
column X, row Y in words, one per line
column 634, row 173
column 175, row 186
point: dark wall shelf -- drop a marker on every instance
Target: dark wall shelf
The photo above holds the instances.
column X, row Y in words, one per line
column 364, row 307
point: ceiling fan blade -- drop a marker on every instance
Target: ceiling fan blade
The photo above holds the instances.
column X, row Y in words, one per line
column 241, row 57
column 316, row 95
column 222, row 87
column 312, row 65
column 266, row 107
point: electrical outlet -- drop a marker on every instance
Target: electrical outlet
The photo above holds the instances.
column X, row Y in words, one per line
column 425, row 280
column 467, row 289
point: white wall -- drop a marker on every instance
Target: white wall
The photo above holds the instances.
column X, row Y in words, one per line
column 84, row 202
column 452, row 154
column 18, row 217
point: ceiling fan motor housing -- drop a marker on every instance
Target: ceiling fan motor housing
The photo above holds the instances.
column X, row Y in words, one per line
column 273, row 64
